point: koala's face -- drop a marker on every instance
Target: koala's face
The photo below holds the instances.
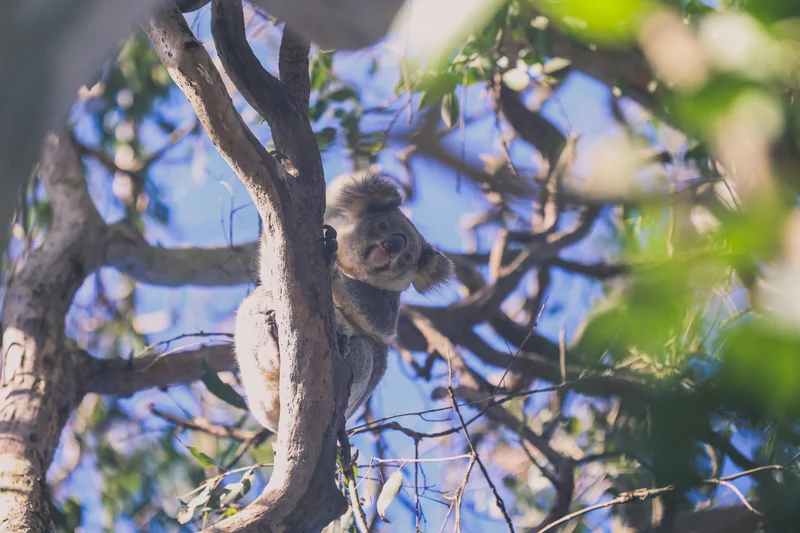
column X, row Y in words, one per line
column 378, row 244
column 382, row 249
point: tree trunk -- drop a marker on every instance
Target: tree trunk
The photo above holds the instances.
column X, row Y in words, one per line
column 43, row 372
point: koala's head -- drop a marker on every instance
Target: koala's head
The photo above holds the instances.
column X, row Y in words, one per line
column 378, row 244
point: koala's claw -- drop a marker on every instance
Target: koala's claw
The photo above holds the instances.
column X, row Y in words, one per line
column 329, row 243
column 343, row 341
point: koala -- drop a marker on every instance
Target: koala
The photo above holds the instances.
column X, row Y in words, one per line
column 378, row 253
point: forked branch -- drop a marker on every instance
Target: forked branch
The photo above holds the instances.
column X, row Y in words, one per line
column 286, row 116
column 301, row 495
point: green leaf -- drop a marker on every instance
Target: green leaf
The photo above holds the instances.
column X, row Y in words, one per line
column 473, row 76
column 652, row 309
column 427, row 99
column 326, row 60
column 450, row 109
column 698, row 152
column 695, row 7
column 753, row 231
column 325, row 138
column 541, row 41
column 573, row 426
column 761, row 366
column 317, row 76
column 236, row 491
column 69, row 516
column 434, row 88
column 700, row 110
column 204, row 459
column 612, row 21
column 187, row 513
column 340, row 95
column 388, row 493
column 215, row 386
column 317, row 110
column 343, row 524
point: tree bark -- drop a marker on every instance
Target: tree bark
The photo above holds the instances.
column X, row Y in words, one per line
column 301, row 495
column 42, row 370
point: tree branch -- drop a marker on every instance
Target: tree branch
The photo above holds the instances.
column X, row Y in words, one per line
column 293, row 67
column 745, row 520
column 301, row 494
column 486, row 301
column 131, row 254
column 498, row 499
column 121, row 378
column 193, row 71
column 206, row 426
column 289, row 123
column 531, row 126
column 598, row 270
column 503, row 181
column 578, row 379
column 43, row 372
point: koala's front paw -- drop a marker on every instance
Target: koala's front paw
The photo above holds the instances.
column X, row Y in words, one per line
column 330, row 244
column 343, row 341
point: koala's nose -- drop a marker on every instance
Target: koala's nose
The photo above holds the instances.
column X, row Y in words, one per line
column 393, row 244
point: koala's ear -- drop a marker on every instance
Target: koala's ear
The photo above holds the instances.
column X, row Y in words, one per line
column 433, row 270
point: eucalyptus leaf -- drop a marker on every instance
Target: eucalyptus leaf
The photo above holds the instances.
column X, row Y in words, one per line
column 235, row 491
column 450, row 109
column 388, row 493
column 204, row 459
column 215, row 386
column 187, row 513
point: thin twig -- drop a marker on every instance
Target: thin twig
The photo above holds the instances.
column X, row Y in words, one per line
column 641, row 495
column 206, row 426
column 375, row 427
column 347, row 469
column 256, row 439
column 500, row 503
column 216, row 479
column 432, row 460
column 739, row 495
column 531, row 331
column 416, row 485
column 460, row 494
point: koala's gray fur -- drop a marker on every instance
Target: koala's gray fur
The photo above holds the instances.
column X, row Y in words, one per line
column 256, row 348
column 380, row 254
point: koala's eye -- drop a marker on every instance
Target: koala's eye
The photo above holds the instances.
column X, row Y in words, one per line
column 382, row 225
column 409, row 257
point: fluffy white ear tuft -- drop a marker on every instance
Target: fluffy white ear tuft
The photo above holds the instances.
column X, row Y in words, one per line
column 433, row 270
